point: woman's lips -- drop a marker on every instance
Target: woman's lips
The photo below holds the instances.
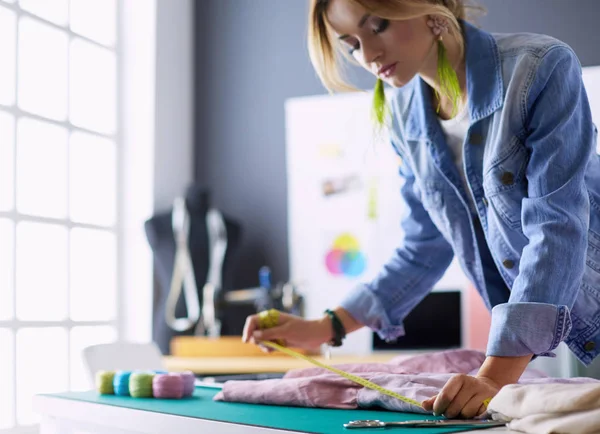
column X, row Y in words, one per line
column 387, row 70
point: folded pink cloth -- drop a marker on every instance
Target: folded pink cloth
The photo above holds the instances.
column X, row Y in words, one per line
column 453, row 361
column 419, row 377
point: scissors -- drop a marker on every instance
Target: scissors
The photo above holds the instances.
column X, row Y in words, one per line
column 464, row 423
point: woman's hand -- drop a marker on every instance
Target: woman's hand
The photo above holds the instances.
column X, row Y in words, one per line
column 463, row 396
column 293, row 330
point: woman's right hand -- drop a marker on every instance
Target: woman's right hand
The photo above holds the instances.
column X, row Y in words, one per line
column 293, row 330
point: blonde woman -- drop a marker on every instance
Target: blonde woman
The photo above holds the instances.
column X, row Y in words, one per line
column 500, row 169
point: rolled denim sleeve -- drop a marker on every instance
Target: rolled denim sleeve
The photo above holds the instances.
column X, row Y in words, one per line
column 408, row 276
column 554, row 215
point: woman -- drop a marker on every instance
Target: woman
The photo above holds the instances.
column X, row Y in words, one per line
column 498, row 157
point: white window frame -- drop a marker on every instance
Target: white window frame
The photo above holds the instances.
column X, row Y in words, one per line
column 150, row 74
column 14, row 325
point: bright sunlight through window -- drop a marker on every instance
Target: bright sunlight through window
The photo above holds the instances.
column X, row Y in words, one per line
column 58, row 195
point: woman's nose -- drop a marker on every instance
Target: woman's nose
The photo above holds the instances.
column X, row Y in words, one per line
column 371, row 54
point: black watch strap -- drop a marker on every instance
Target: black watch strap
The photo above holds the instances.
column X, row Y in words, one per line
column 339, row 332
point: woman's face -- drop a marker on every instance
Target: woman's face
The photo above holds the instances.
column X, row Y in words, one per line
column 394, row 51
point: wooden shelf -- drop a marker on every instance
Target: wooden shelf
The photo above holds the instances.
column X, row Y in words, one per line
column 225, row 346
column 260, row 365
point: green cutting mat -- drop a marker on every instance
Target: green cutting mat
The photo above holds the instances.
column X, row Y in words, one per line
column 312, row 420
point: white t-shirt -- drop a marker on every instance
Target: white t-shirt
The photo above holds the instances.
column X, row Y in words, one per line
column 455, row 130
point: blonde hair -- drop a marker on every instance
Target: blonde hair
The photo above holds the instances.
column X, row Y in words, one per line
column 326, row 55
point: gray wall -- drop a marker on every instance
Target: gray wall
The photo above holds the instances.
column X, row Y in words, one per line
column 251, row 56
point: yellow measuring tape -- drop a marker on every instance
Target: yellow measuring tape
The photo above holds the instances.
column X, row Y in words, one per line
column 270, row 318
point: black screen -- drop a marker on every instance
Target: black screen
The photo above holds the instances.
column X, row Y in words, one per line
column 435, row 324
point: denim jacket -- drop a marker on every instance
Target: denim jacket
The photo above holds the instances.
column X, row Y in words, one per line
column 534, row 176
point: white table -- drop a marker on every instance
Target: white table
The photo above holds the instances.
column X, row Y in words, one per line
column 66, row 416
column 62, row 416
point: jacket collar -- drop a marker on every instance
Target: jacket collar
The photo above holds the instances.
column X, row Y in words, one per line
column 485, row 88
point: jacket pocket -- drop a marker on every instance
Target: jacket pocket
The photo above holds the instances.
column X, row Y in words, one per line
column 505, row 184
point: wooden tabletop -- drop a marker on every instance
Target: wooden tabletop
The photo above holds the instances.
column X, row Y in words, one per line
column 260, row 365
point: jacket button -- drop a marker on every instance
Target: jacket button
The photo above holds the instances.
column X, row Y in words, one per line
column 508, row 263
column 485, row 202
column 476, row 139
column 589, row 346
column 507, row 178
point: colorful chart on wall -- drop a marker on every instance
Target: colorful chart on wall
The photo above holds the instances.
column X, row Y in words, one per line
column 345, row 258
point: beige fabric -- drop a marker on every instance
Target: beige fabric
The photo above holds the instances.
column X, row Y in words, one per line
column 549, row 408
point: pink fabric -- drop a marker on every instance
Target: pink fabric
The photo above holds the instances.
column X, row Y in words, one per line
column 317, row 387
column 454, row 361
column 418, row 377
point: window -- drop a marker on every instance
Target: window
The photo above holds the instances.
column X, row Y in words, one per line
column 59, row 162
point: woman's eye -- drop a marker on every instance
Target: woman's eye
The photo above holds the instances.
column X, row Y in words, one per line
column 352, row 45
column 381, row 26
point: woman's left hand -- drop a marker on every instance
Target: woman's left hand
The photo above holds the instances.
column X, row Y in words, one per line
column 463, row 396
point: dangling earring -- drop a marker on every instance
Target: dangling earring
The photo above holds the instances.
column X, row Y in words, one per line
column 379, row 110
column 447, row 78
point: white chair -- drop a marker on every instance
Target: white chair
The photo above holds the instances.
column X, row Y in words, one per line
column 122, row 356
